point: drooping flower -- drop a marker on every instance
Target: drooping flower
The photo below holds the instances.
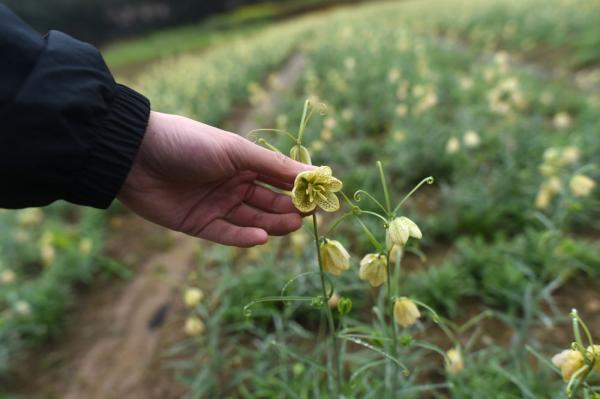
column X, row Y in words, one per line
column 373, row 269
column 193, row 326
column 316, row 188
column 406, row 312
column 400, row 230
column 454, row 361
column 192, row 297
column 334, row 256
column 568, row 361
column 582, row 185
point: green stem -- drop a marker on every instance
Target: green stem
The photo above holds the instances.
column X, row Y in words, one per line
column 386, row 194
column 335, row 360
column 390, row 303
column 302, row 123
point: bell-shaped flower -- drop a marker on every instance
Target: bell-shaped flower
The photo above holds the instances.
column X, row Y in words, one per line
column 373, row 269
column 454, row 361
column 406, row 312
column 568, row 361
column 399, row 231
column 316, row 188
column 334, row 256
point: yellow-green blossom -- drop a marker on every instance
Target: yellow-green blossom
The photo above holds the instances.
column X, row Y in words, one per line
column 582, row 185
column 400, row 230
column 568, row 361
column 192, row 297
column 406, row 312
column 316, row 188
column 334, row 256
column 454, row 361
column 193, row 326
column 373, row 269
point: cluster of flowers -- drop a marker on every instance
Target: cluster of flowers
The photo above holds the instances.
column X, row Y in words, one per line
column 555, row 161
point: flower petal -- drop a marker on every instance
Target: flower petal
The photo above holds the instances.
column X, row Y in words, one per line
column 329, row 202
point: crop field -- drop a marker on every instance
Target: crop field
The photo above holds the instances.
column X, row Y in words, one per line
column 464, row 253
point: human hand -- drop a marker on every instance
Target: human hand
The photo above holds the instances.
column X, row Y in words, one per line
column 201, row 180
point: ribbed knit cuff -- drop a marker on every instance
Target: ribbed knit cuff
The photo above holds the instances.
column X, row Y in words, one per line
column 117, row 141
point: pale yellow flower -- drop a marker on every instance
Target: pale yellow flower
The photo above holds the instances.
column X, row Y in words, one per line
column 454, row 362
column 22, row 308
column 316, row 188
column 192, row 297
column 543, row 198
column 561, row 120
column 594, row 354
column 85, row 246
column 48, row 254
column 333, row 300
column 7, row 277
column 193, row 326
column 406, row 312
column 373, row 269
column 582, row 185
column 30, row 217
column 471, row 139
column 568, row 361
column 453, row 145
column 334, row 256
column 570, row 155
column 400, row 230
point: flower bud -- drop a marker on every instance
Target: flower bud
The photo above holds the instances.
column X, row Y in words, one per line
column 193, row 326
column 192, row 297
column 400, row 229
column 373, row 269
column 406, row 312
column 454, row 361
column 334, row 256
column 300, row 153
column 344, row 306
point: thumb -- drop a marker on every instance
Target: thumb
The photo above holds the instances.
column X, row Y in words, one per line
column 267, row 163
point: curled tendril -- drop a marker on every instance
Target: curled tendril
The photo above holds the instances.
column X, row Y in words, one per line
column 248, row 312
column 290, row 281
column 253, row 134
column 358, row 196
column 428, row 180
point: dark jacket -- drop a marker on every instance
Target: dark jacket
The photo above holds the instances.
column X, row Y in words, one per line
column 67, row 129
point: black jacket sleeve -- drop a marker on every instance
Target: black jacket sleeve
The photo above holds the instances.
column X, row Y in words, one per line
column 67, row 129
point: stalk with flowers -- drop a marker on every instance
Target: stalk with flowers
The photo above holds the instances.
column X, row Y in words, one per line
column 318, row 189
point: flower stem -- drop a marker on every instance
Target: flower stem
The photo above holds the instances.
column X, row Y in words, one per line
column 390, row 302
column 329, row 314
column 386, row 194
